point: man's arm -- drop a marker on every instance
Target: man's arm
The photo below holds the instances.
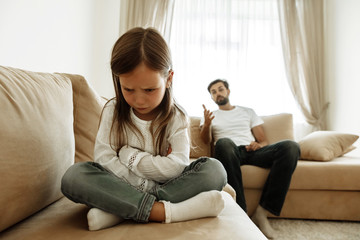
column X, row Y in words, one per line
column 260, row 139
column 205, row 131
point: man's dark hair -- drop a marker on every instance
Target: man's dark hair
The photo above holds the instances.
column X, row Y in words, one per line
column 226, row 84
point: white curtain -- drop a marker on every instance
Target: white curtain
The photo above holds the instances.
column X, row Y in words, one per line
column 147, row 13
column 302, row 28
column 238, row 40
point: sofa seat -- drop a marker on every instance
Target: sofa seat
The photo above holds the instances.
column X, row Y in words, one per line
column 341, row 173
column 318, row 190
column 67, row 220
column 327, row 190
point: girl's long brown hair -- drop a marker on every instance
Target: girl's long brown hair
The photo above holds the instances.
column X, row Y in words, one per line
column 147, row 46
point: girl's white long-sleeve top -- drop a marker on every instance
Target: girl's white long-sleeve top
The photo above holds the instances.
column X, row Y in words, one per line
column 136, row 163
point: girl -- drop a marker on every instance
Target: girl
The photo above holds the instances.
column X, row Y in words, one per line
column 141, row 167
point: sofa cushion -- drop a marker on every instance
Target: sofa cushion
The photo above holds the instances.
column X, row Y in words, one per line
column 87, row 110
column 326, row 145
column 278, row 127
column 37, row 141
column 342, row 173
column 67, row 220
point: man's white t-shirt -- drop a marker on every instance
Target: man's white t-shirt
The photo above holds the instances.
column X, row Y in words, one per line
column 235, row 124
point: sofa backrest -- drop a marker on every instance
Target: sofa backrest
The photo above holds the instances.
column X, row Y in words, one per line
column 276, row 127
column 87, row 110
column 47, row 122
column 198, row 147
column 36, row 143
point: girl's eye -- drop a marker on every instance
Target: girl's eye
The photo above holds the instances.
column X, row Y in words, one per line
column 128, row 89
column 149, row 90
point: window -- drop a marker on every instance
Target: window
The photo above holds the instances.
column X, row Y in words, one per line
column 238, row 40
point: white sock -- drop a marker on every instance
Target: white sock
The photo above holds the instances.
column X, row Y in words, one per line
column 205, row 204
column 99, row 219
column 261, row 220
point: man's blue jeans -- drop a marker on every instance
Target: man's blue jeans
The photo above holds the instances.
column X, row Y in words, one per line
column 89, row 183
column 280, row 157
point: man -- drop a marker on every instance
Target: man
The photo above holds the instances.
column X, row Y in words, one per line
column 240, row 139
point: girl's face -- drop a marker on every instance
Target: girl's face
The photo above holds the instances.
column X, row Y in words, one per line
column 144, row 89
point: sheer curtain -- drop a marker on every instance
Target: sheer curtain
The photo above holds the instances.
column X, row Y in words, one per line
column 238, row 40
column 302, row 27
column 147, row 13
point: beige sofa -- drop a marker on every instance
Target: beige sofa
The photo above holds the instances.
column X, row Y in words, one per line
column 48, row 122
column 326, row 181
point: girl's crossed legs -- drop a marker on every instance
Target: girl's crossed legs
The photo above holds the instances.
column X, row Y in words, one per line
column 188, row 196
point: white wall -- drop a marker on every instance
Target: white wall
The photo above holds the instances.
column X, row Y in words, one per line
column 343, row 64
column 106, row 26
column 73, row 36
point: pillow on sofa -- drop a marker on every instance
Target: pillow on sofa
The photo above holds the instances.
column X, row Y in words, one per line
column 36, row 143
column 326, row 145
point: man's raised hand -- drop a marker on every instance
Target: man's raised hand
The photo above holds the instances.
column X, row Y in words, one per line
column 208, row 116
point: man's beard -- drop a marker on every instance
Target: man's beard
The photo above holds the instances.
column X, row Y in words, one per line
column 222, row 101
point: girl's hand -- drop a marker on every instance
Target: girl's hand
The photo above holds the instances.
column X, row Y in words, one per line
column 169, row 150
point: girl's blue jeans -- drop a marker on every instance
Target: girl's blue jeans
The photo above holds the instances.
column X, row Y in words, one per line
column 281, row 158
column 89, row 183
